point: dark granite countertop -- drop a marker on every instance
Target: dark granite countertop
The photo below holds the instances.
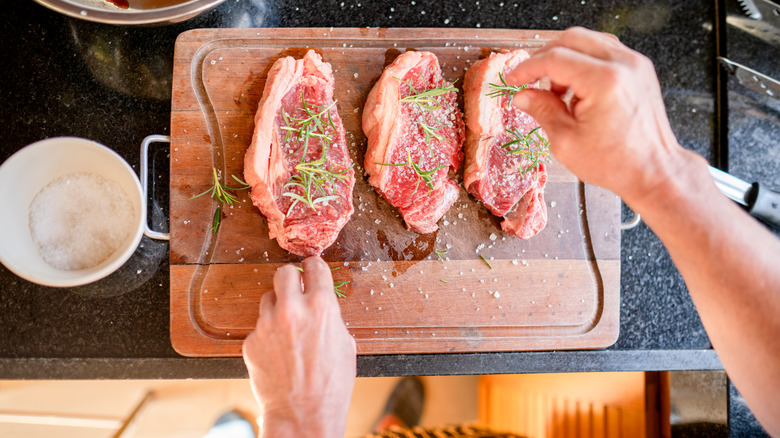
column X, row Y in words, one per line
column 63, row 76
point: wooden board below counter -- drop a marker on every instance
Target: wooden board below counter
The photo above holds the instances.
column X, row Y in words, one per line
column 559, row 290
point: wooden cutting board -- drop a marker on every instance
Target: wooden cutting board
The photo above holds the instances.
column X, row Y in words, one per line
column 559, row 290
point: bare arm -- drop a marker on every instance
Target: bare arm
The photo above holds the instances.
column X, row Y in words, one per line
column 616, row 134
column 300, row 358
column 731, row 265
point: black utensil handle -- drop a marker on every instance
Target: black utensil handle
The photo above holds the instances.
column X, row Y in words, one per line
column 765, row 204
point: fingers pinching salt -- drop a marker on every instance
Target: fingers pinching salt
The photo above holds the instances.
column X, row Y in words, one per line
column 287, row 285
column 317, row 278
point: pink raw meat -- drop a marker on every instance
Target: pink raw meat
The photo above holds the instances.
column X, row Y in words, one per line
column 270, row 162
column 509, row 185
column 395, row 133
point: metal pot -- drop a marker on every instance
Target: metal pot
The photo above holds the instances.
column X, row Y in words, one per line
column 138, row 12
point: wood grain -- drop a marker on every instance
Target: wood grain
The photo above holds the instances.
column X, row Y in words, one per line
column 558, row 290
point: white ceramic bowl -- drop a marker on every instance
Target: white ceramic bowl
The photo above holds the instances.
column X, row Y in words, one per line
column 26, row 172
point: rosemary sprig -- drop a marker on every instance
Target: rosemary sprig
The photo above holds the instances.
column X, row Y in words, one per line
column 427, row 102
column 430, row 132
column 313, row 126
column 426, row 176
column 422, row 175
column 439, row 254
column 486, row 262
column 222, row 193
column 313, row 177
column 535, row 147
column 532, row 145
column 504, row 89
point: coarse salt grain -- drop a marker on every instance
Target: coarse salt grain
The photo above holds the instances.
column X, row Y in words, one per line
column 78, row 220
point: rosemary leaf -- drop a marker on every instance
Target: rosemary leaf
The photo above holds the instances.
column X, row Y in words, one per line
column 240, row 181
column 532, row 145
column 504, row 89
column 220, row 192
column 217, row 220
column 337, row 288
column 427, row 103
column 325, row 198
column 295, row 196
column 426, row 95
column 422, row 175
column 430, row 132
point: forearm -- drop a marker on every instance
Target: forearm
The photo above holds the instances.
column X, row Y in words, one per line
column 731, row 265
column 615, row 133
column 301, row 417
column 279, row 428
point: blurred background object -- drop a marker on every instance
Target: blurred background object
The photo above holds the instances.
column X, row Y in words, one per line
column 131, row 11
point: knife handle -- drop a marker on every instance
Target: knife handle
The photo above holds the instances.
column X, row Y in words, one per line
column 764, row 203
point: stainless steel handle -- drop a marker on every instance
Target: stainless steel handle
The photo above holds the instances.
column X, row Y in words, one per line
column 158, row 235
column 733, row 187
column 759, row 200
column 631, row 223
column 741, row 192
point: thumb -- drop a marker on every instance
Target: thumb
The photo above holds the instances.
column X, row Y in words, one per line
column 547, row 108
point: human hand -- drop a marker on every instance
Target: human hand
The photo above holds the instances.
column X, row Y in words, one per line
column 615, row 132
column 300, row 358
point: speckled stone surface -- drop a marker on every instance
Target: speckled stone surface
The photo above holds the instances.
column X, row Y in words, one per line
column 742, row 423
column 754, row 118
column 63, row 76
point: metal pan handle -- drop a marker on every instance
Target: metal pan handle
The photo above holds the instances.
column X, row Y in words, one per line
column 631, row 223
column 158, row 235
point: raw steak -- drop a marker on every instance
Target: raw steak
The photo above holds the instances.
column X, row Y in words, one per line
column 509, row 184
column 304, row 188
column 397, row 140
